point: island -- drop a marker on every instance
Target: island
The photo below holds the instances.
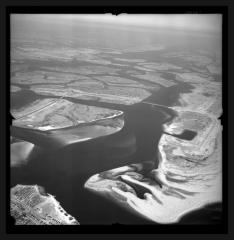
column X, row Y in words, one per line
column 112, row 94
column 44, row 52
column 155, row 78
column 55, row 122
column 160, row 66
column 125, row 82
column 133, row 60
column 75, row 84
column 193, row 77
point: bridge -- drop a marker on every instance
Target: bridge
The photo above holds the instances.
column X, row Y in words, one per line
column 155, row 104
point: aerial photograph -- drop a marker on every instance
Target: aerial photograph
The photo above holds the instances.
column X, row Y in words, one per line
column 116, row 119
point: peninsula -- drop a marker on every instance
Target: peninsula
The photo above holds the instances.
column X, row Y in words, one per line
column 189, row 173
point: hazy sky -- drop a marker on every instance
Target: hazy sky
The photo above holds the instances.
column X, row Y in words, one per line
column 192, row 22
column 209, row 22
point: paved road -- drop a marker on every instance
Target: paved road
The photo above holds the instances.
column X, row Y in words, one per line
column 47, row 105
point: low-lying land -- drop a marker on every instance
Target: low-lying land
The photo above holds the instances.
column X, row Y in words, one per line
column 130, row 60
column 48, row 114
column 197, row 59
column 203, row 62
column 31, row 206
column 159, row 66
column 54, row 123
column 112, row 94
column 156, row 78
column 84, row 70
column 111, row 89
column 189, row 174
column 204, row 98
column 145, row 48
column 215, row 69
column 46, row 77
column 124, row 82
column 193, row 77
column 63, row 54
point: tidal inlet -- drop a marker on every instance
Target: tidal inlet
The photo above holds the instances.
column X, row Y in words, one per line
column 115, row 119
column 188, row 176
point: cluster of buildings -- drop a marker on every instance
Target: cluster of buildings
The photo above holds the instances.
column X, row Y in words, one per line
column 30, row 207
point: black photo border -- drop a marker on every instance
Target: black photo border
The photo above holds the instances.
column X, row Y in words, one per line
column 101, row 231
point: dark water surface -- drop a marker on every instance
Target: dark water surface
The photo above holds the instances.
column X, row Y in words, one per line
column 185, row 135
column 64, row 172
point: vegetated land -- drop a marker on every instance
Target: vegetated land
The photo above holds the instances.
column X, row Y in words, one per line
column 112, row 94
column 112, row 89
column 189, row 174
column 130, row 60
column 193, row 77
column 161, row 66
column 63, row 54
column 37, row 77
column 60, row 123
column 156, row 78
column 124, row 82
column 84, row 70
column 145, row 48
column 52, row 113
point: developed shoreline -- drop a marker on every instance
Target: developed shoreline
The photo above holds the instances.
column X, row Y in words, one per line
column 31, row 206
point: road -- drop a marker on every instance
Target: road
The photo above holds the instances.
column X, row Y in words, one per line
column 155, row 104
column 47, row 105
